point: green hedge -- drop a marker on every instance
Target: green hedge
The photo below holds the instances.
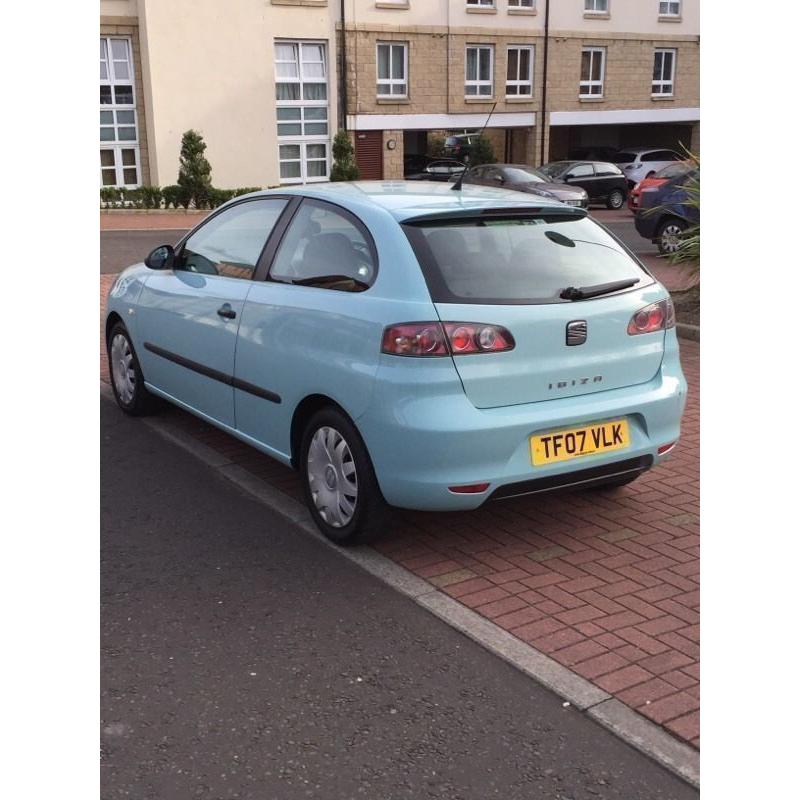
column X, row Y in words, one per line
column 173, row 196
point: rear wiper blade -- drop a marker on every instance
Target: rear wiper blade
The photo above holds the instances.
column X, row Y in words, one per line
column 324, row 279
column 582, row 292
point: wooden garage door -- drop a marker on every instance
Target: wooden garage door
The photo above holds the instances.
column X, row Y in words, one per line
column 369, row 155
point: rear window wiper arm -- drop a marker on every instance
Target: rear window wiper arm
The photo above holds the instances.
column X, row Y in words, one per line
column 582, row 292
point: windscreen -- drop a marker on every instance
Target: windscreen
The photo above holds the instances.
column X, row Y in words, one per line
column 517, row 260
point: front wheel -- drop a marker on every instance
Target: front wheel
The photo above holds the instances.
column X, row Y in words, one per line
column 339, row 482
column 669, row 236
column 615, row 199
column 127, row 380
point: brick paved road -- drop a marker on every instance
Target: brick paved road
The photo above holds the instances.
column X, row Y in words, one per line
column 606, row 583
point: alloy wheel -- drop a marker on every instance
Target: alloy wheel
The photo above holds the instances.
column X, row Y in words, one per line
column 332, row 477
column 671, row 237
column 616, row 199
column 122, row 372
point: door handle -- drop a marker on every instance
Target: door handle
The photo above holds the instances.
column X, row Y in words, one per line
column 226, row 311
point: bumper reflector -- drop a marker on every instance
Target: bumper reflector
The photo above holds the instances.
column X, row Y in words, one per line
column 472, row 488
column 665, row 448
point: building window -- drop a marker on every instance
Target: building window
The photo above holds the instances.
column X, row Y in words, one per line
column 479, row 71
column 669, row 8
column 593, row 68
column 119, row 131
column 664, row 73
column 519, row 73
column 596, row 6
column 522, row 3
column 301, row 90
column 392, row 69
column 484, row 3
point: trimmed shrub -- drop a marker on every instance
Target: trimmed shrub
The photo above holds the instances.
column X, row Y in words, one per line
column 194, row 175
column 481, row 152
column 436, row 146
column 109, row 196
column 344, row 165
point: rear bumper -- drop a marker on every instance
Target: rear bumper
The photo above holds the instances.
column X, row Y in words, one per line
column 424, row 439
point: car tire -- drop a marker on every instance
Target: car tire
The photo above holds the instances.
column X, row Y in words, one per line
column 615, row 199
column 127, row 380
column 339, row 483
column 668, row 235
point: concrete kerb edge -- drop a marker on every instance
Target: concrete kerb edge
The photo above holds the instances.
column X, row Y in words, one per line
column 687, row 331
column 624, row 722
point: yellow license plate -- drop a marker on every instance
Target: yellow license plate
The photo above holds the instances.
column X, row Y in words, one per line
column 564, row 445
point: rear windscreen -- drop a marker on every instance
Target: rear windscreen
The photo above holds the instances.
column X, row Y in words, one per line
column 517, row 260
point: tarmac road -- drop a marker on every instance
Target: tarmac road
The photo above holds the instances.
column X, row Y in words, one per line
column 243, row 659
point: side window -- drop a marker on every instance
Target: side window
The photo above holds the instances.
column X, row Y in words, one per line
column 494, row 175
column 582, row 171
column 656, row 155
column 325, row 247
column 605, row 170
column 231, row 243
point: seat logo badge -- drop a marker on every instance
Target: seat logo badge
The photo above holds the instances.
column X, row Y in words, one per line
column 576, row 332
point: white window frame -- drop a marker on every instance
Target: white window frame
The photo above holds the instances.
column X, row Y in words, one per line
column 116, row 145
column 481, row 3
column 592, row 6
column 304, row 140
column 477, row 82
column 391, row 81
column 589, row 83
column 664, row 82
column 665, row 8
column 522, row 4
column 519, row 82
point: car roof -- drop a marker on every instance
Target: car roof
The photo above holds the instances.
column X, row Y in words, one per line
column 640, row 150
column 407, row 199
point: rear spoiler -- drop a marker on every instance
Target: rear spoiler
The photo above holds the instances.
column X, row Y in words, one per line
column 554, row 213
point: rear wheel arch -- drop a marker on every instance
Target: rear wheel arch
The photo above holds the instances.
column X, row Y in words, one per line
column 305, row 410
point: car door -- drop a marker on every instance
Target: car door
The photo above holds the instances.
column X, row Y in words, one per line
column 608, row 177
column 302, row 334
column 188, row 316
column 582, row 175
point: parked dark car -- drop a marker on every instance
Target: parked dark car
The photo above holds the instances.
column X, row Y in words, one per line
column 663, row 213
column 604, row 182
column 460, row 145
column 441, row 170
column 526, row 179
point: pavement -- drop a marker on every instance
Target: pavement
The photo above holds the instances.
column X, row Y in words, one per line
column 605, row 583
column 243, row 659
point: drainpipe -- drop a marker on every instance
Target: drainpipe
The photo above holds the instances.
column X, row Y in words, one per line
column 542, row 122
column 343, row 74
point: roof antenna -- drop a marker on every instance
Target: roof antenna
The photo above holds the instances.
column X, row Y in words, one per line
column 456, row 187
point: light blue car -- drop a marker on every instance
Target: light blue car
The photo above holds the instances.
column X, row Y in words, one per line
column 407, row 345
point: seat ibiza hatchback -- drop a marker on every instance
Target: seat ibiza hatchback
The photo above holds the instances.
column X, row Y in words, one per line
column 407, row 345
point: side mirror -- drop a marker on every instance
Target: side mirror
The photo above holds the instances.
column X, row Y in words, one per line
column 568, row 177
column 163, row 257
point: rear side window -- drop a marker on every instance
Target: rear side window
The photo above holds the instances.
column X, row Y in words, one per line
column 230, row 243
column 607, row 169
column 326, row 247
column 581, row 171
column 516, row 261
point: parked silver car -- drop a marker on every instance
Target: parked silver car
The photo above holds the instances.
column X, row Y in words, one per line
column 639, row 163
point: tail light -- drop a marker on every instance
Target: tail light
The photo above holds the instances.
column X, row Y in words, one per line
column 655, row 317
column 444, row 338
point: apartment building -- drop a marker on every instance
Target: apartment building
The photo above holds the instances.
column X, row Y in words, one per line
column 268, row 82
column 563, row 76
column 255, row 77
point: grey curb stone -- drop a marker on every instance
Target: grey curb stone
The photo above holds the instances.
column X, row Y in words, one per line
column 577, row 690
column 649, row 738
column 625, row 723
column 687, row 331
